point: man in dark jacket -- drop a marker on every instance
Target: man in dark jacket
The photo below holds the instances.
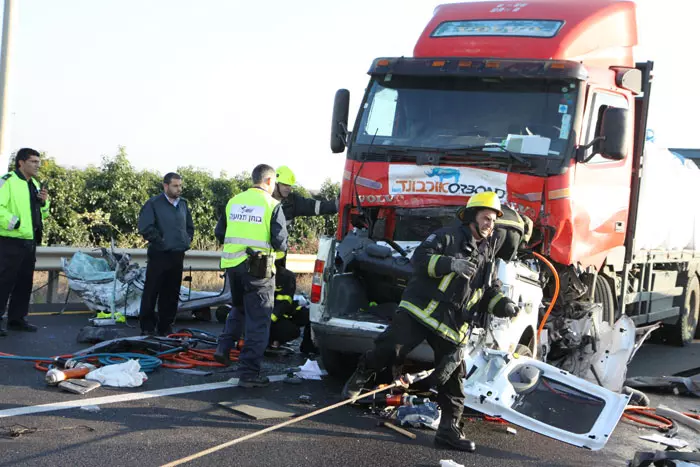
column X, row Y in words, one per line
column 450, row 285
column 166, row 223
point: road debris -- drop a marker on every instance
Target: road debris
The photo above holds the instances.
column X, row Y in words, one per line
column 258, row 409
column 310, row 370
column 305, row 399
column 397, row 429
column 17, row 430
column 90, row 408
column 78, row 386
column 449, row 463
column 673, row 442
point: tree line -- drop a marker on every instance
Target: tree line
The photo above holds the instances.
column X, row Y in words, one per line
column 92, row 206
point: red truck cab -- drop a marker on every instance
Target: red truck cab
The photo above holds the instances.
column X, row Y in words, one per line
column 541, row 102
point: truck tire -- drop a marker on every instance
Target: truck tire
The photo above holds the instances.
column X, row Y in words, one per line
column 686, row 328
column 603, row 294
column 337, row 364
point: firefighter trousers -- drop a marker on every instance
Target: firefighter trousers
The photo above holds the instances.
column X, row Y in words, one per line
column 405, row 334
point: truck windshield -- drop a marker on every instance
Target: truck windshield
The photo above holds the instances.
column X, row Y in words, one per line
column 414, row 225
column 456, row 112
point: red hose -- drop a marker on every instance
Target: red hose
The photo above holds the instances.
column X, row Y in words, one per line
column 556, row 292
column 650, row 413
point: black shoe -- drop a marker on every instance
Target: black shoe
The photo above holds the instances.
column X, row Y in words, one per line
column 354, row 385
column 148, row 333
column 256, row 381
column 165, row 332
column 21, row 325
column 308, row 347
column 452, row 438
column 3, row 332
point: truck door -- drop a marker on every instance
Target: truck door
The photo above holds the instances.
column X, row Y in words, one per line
column 600, row 191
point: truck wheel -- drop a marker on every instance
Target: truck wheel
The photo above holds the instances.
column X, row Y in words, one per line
column 603, row 294
column 337, row 364
column 686, row 328
column 222, row 313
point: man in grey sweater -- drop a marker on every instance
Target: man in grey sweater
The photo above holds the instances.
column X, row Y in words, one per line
column 166, row 223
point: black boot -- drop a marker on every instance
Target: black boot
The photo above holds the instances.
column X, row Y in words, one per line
column 354, row 385
column 21, row 325
column 253, row 381
column 449, row 435
column 3, row 332
column 307, row 345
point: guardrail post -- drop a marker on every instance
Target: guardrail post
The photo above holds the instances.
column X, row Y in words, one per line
column 52, row 287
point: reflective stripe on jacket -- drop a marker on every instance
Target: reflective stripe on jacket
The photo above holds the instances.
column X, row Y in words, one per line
column 248, row 217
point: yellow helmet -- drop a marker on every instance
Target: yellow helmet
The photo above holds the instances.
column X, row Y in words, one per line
column 286, row 176
column 487, row 199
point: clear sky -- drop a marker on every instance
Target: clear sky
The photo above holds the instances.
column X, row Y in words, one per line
column 227, row 84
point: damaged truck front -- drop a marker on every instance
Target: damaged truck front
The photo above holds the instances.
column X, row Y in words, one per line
column 543, row 104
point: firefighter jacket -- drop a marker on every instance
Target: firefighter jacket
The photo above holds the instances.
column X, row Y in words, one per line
column 436, row 296
column 20, row 215
column 296, row 205
column 254, row 220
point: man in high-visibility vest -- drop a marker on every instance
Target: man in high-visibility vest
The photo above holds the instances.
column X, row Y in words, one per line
column 24, row 204
column 450, row 285
column 294, row 205
column 254, row 231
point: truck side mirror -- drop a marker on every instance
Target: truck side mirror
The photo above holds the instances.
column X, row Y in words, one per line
column 339, row 125
column 614, row 131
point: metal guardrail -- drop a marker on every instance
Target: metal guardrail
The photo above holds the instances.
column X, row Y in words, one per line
column 49, row 259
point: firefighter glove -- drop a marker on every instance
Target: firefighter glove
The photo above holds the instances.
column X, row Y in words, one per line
column 505, row 308
column 463, row 266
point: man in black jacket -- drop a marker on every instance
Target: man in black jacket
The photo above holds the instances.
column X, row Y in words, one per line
column 166, row 223
column 450, row 286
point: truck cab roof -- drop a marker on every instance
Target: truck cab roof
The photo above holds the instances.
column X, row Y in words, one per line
column 598, row 33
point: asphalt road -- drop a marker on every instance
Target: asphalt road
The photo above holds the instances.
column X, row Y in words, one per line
column 154, row 431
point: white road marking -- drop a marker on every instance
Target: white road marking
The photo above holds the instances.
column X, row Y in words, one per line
column 52, row 407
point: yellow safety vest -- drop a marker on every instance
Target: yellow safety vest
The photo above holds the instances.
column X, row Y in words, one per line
column 16, row 207
column 248, row 217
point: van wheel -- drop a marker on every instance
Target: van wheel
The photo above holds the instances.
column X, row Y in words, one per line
column 337, row 364
column 686, row 328
column 222, row 313
column 203, row 314
column 603, row 294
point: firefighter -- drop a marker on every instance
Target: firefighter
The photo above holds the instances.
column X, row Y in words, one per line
column 293, row 206
column 450, row 283
column 288, row 316
column 252, row 230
